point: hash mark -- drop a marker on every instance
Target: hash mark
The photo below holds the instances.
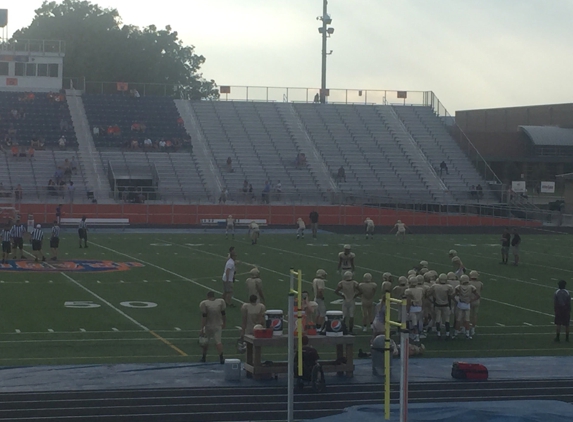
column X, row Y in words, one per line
column 121, row 281
column 177, row 329
column 83, row 330
column 528, row 324
column 18, row 331
column 501, row 325
column 26, row 281
column 99, row 282
column 50, row 330
column 114, row 329
column 145, row 281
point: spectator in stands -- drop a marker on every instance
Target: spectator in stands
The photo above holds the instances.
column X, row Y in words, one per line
column 162, row 145
column 245, row 188
column 52, row 188
column 22, row 151
column 168, row 145
column 229, row 165
column 134, row 93
column 180, row 121
column 341, row 175
column 251, row 193
column 67, row 169
column 479, row 190
column 317, row 98
column 64, row 125
column 135, row 127
column 31, row 152
column 223, row 196
column 62, row 188
column 62, row 142
column 18, row 193
column 15, row 114
column 134, row 144
column 14, row 151
column 58, row 175
column 71, row 191
column 95, row 131
column 147, row 144
column 443, row 166
column 473, row 192
column 266, row 193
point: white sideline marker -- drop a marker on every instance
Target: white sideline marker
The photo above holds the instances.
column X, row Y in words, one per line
column 168, row 281
column 145, row 281
column 528, row 324
column 98, row 282
column 501, row 325
column 50, row 281
column 17, row 331
column 1, row 281
column 121, row 281
column 177, row 329
column 534, row 279
column 83, row 330
column 493, row 279
column 26, row 281
column 114, row 329
column 50, row 330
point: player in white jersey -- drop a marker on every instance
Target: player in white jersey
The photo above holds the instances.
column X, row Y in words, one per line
column 230, row 228
column 346, row 260
column 300, row 226
column 400, row 230
column 254, row 232
column 369, row 228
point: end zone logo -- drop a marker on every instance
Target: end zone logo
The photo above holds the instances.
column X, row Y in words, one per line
column 336, row 325
column 71, row 265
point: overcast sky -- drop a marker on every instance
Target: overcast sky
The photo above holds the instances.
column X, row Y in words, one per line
column 471, row 53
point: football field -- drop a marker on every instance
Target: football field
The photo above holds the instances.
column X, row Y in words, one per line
column 134, row 296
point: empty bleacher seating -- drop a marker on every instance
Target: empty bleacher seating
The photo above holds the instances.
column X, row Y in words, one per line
column 438, row 145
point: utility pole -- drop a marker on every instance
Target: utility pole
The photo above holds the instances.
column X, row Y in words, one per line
column 326, row 32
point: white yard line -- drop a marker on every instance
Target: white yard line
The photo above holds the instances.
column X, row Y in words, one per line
column 210, row 288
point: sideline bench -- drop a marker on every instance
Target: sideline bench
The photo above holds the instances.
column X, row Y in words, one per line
column 96, row 222
column 344, row 349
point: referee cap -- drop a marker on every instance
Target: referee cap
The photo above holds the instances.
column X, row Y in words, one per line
column 38, row 226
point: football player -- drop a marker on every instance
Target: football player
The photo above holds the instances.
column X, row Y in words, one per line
column 346, row 260
column 367, row 291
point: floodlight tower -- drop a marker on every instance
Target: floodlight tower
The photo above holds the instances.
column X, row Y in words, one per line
column 326, row 32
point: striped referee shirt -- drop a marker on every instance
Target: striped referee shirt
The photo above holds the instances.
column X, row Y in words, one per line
column 37, row 234
column 56, row 232
column 6, row 235
column 18, row 231
column 83, row 225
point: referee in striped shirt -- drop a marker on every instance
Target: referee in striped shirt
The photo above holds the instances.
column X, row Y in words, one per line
column 83, row 232
column 37, row 238
column 18, row 231
column 55, row 240
column 6, row 245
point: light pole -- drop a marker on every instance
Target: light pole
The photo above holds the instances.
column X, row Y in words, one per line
column 326, row 32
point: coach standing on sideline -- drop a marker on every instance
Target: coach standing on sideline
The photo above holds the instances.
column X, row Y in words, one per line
column 83, row 232
column 229, row 277
column 6, row 237
column 562, row 308
column 515, row 243
column 313, row 222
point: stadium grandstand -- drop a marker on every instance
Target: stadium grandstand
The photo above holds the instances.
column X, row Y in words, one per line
column 118, row 143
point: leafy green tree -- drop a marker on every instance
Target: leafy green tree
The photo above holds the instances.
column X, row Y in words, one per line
column 100, row 47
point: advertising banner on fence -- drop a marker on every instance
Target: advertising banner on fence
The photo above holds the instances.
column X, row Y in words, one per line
column 547, row 187
column 518, row 186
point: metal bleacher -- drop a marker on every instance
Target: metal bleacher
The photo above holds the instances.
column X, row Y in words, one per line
column 438, row 145
column 377, row 162
column 259, row 144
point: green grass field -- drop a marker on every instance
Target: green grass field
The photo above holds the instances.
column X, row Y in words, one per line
column 150, row 313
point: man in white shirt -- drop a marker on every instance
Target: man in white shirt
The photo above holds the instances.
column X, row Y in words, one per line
column 229, row 277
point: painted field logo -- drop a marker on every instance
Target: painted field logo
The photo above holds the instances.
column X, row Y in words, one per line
column 75, row 265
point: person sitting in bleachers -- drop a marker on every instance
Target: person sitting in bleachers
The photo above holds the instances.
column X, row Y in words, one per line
column 18, row 193
column 31, row 152
column 52, row 188
column 162, row 145
column 15, row 114
column 147, row 144
column 95, row 131
column 35, row 142
column 135, row 127
column 67, row 169
column 22, row 152
column 58, row 175
column 341, row 175
column 134, row 144
column 62, row 142
column 230, row 165
column 14, row 151
column 180, row 121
